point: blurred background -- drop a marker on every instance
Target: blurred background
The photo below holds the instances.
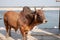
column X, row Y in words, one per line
column 50, row 7
column 51, row 10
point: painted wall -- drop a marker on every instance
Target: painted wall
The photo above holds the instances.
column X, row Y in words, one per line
column 29, row 3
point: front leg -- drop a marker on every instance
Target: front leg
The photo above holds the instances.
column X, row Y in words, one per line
column 24, row 33
column 25, row 36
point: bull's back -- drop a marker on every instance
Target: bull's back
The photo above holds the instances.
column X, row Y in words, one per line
column 11, row 17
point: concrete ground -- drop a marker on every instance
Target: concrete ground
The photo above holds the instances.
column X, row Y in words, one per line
column 36, row 34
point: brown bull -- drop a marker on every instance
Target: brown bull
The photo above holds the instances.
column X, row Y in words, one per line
column 25, row 20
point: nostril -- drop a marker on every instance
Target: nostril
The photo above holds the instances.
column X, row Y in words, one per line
column 45, row 21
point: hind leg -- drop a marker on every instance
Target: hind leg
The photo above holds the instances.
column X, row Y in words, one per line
column 8, row 29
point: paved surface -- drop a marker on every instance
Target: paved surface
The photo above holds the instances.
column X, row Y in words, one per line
column 36, row 34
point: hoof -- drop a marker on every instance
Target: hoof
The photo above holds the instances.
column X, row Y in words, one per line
column 7, row 35
column 10, row 35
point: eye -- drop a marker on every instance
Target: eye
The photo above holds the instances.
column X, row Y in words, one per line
column 40, row 15
column 37, row 14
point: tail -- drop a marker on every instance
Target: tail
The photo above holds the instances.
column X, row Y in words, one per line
column 6, row 20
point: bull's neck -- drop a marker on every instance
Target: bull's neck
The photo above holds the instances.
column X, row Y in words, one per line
column 32, row 25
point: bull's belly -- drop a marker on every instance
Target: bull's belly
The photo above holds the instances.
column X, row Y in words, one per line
column 13, row 24
column 13, row 21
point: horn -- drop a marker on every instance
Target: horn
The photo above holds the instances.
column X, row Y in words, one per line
column 35, row 17
column 35, row 13
column 35, row 8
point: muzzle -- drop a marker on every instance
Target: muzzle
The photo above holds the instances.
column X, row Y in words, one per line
column 44, row 21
